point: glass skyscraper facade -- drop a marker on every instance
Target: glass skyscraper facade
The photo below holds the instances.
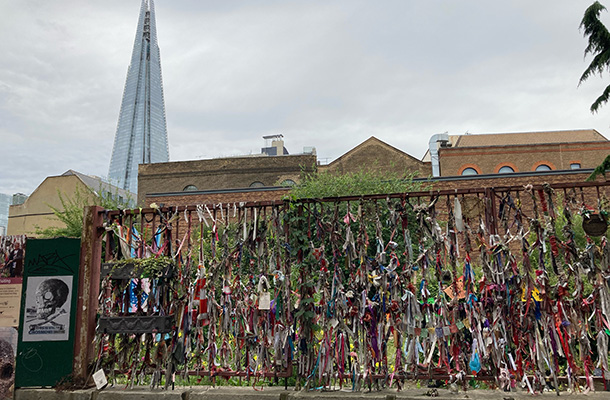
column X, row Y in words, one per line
column 5, row 202
column 141, row 135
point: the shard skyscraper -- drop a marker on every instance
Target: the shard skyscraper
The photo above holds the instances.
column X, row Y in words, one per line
column 141, row 135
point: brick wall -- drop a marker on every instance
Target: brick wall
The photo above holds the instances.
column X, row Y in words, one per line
column 374, row 154
column 503, row 180
column 273, row 194
column 487, row 160
column 215, row 197
column 214, row 175
column 221, row 173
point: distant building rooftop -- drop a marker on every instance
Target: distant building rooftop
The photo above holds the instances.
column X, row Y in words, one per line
column 520, row 139
column 526, row 138
column 97, row 184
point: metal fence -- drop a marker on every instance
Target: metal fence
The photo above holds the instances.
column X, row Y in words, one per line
column 504, row 284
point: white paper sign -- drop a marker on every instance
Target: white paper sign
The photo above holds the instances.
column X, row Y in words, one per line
column 100, row 379
column 264, row 301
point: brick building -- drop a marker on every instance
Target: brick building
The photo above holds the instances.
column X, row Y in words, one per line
column 463, row 161
column 376, row 154
column 521, row 152
column 36, row 212
column 260, row 177
column 222, row 174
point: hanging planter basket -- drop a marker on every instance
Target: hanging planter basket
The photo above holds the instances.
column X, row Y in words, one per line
column 135, row 325
column 595, row 224
column 162, row 267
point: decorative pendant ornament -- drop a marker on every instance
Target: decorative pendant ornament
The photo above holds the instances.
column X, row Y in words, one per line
column 594, row 224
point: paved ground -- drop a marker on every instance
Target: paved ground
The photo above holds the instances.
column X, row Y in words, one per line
column 278, row 393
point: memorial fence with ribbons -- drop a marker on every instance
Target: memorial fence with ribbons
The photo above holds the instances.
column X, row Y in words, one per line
column 509, row 285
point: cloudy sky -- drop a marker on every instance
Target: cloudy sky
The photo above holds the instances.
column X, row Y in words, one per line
column 327, row 74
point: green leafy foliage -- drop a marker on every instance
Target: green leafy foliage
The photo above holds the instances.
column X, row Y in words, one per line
column 152, row 267
column 70, row 214
column 364, row 182
column 598, row 47
column 600, row 169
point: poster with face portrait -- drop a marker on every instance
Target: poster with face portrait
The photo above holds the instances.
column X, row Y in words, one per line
column 47, row 308
column 12, row 253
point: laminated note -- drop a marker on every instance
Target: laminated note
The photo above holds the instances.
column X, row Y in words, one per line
column 100, row 379
column 264, row 301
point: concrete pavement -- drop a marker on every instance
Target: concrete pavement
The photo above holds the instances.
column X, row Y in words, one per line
column 278, row 393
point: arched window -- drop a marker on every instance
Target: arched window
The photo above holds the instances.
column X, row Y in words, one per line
column 506, row 169
column 257, row 184
column 190, row 188
column 469, row 171
column 575, row 165
column 543, row 167
column 288, row 182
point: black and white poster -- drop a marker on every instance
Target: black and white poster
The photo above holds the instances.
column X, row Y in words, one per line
column 47, row 304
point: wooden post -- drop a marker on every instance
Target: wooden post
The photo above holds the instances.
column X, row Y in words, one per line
column 88, row 291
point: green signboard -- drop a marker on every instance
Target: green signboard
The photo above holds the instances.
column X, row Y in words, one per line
column 45, row 349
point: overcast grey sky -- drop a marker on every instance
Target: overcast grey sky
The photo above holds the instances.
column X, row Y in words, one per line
column 327, row 74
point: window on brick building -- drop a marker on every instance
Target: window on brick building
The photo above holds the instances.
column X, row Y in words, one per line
column 257, row 184
column 506, row 170
column 190, row 188
column 543, row 167
column 575, row 165
column 288, row 182
column 469, row 171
